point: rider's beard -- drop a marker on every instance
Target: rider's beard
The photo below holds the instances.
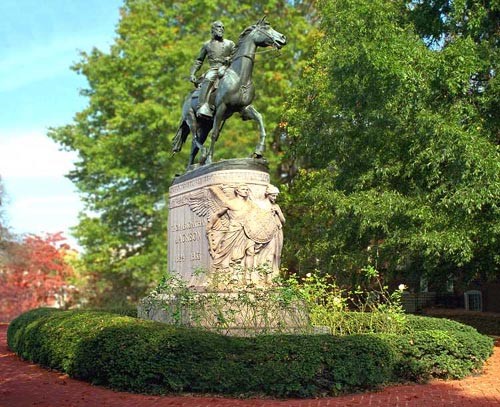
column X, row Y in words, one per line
column 218, row 34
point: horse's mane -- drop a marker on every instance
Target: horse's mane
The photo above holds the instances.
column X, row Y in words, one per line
column 247, row 31
column 243, row 35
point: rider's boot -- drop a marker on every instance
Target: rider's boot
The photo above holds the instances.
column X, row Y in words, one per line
column 203, row 106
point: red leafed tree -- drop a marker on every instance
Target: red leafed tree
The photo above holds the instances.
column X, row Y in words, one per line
column 34, row 273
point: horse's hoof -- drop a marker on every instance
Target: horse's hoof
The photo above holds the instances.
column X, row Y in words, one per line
column 191, row 167
column 203, row 157
column 259, row 151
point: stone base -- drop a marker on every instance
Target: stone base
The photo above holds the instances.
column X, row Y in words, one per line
column 228, row 313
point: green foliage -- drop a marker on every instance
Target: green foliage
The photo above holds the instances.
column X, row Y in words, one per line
column 441, row 354
column 16, row 333
column 487, row 324
column 298, row 305
column 143, row 356
column 362, row 310
column 395, row 124
column 228, row 305
column 419, row 323
column 123, row 137
column 128, row 310
column 439, row 348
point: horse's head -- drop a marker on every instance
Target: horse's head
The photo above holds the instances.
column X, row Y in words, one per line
column 264, row 35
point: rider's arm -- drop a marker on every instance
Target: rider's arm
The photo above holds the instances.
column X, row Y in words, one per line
column 198, row 62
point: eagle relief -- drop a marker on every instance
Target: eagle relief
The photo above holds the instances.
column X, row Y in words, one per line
column 243, row 232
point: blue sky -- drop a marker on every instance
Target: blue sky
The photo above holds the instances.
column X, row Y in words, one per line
column 39, row 41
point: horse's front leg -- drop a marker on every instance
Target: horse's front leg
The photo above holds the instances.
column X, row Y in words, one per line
column 216, row 128
column 251, row 113
column 194, row 151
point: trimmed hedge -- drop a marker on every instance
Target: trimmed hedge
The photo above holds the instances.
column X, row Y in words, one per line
column 441, row 348
column 420, row 323
column 143, row 356
column 485, row 323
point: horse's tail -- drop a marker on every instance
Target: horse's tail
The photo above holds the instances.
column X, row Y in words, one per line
column 183, row 130
column 180, row 137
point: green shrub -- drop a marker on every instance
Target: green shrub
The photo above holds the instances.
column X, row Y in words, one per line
column 51, row 337
column 440, row 354
column 370, row 309
column 19, row 337
column 486, row 324
column 144, row 356
column 162, row 359
column 439, row 348
column 125, row 310
column 420, row 323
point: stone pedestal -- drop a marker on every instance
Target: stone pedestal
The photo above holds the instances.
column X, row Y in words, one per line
column 224, row 246
column 188, row 246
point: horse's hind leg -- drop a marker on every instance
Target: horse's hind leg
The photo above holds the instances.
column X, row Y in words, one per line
column 251, row 113
column 195, row 144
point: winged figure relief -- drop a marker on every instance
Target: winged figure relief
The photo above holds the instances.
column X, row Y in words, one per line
column 237, row 228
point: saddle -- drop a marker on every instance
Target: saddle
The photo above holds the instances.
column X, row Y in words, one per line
column 211, row 97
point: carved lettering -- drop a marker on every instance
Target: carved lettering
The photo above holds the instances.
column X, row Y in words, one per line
column 188, row 237
column 187, row 225
column 180, row 258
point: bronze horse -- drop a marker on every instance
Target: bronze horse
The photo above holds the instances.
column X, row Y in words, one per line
column 234, row 94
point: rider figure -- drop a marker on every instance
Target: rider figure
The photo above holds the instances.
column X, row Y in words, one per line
column 219, row 52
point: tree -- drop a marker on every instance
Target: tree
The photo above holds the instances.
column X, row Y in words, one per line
column 35, row 273
column 395, row 124
column 123, row 137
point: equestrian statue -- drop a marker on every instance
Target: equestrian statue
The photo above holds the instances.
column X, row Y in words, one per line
column 206, row 109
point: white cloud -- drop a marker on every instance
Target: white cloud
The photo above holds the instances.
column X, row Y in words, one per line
column 32, row 154
column 45, row 214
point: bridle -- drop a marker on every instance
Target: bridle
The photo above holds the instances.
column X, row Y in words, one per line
column 259, row 29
